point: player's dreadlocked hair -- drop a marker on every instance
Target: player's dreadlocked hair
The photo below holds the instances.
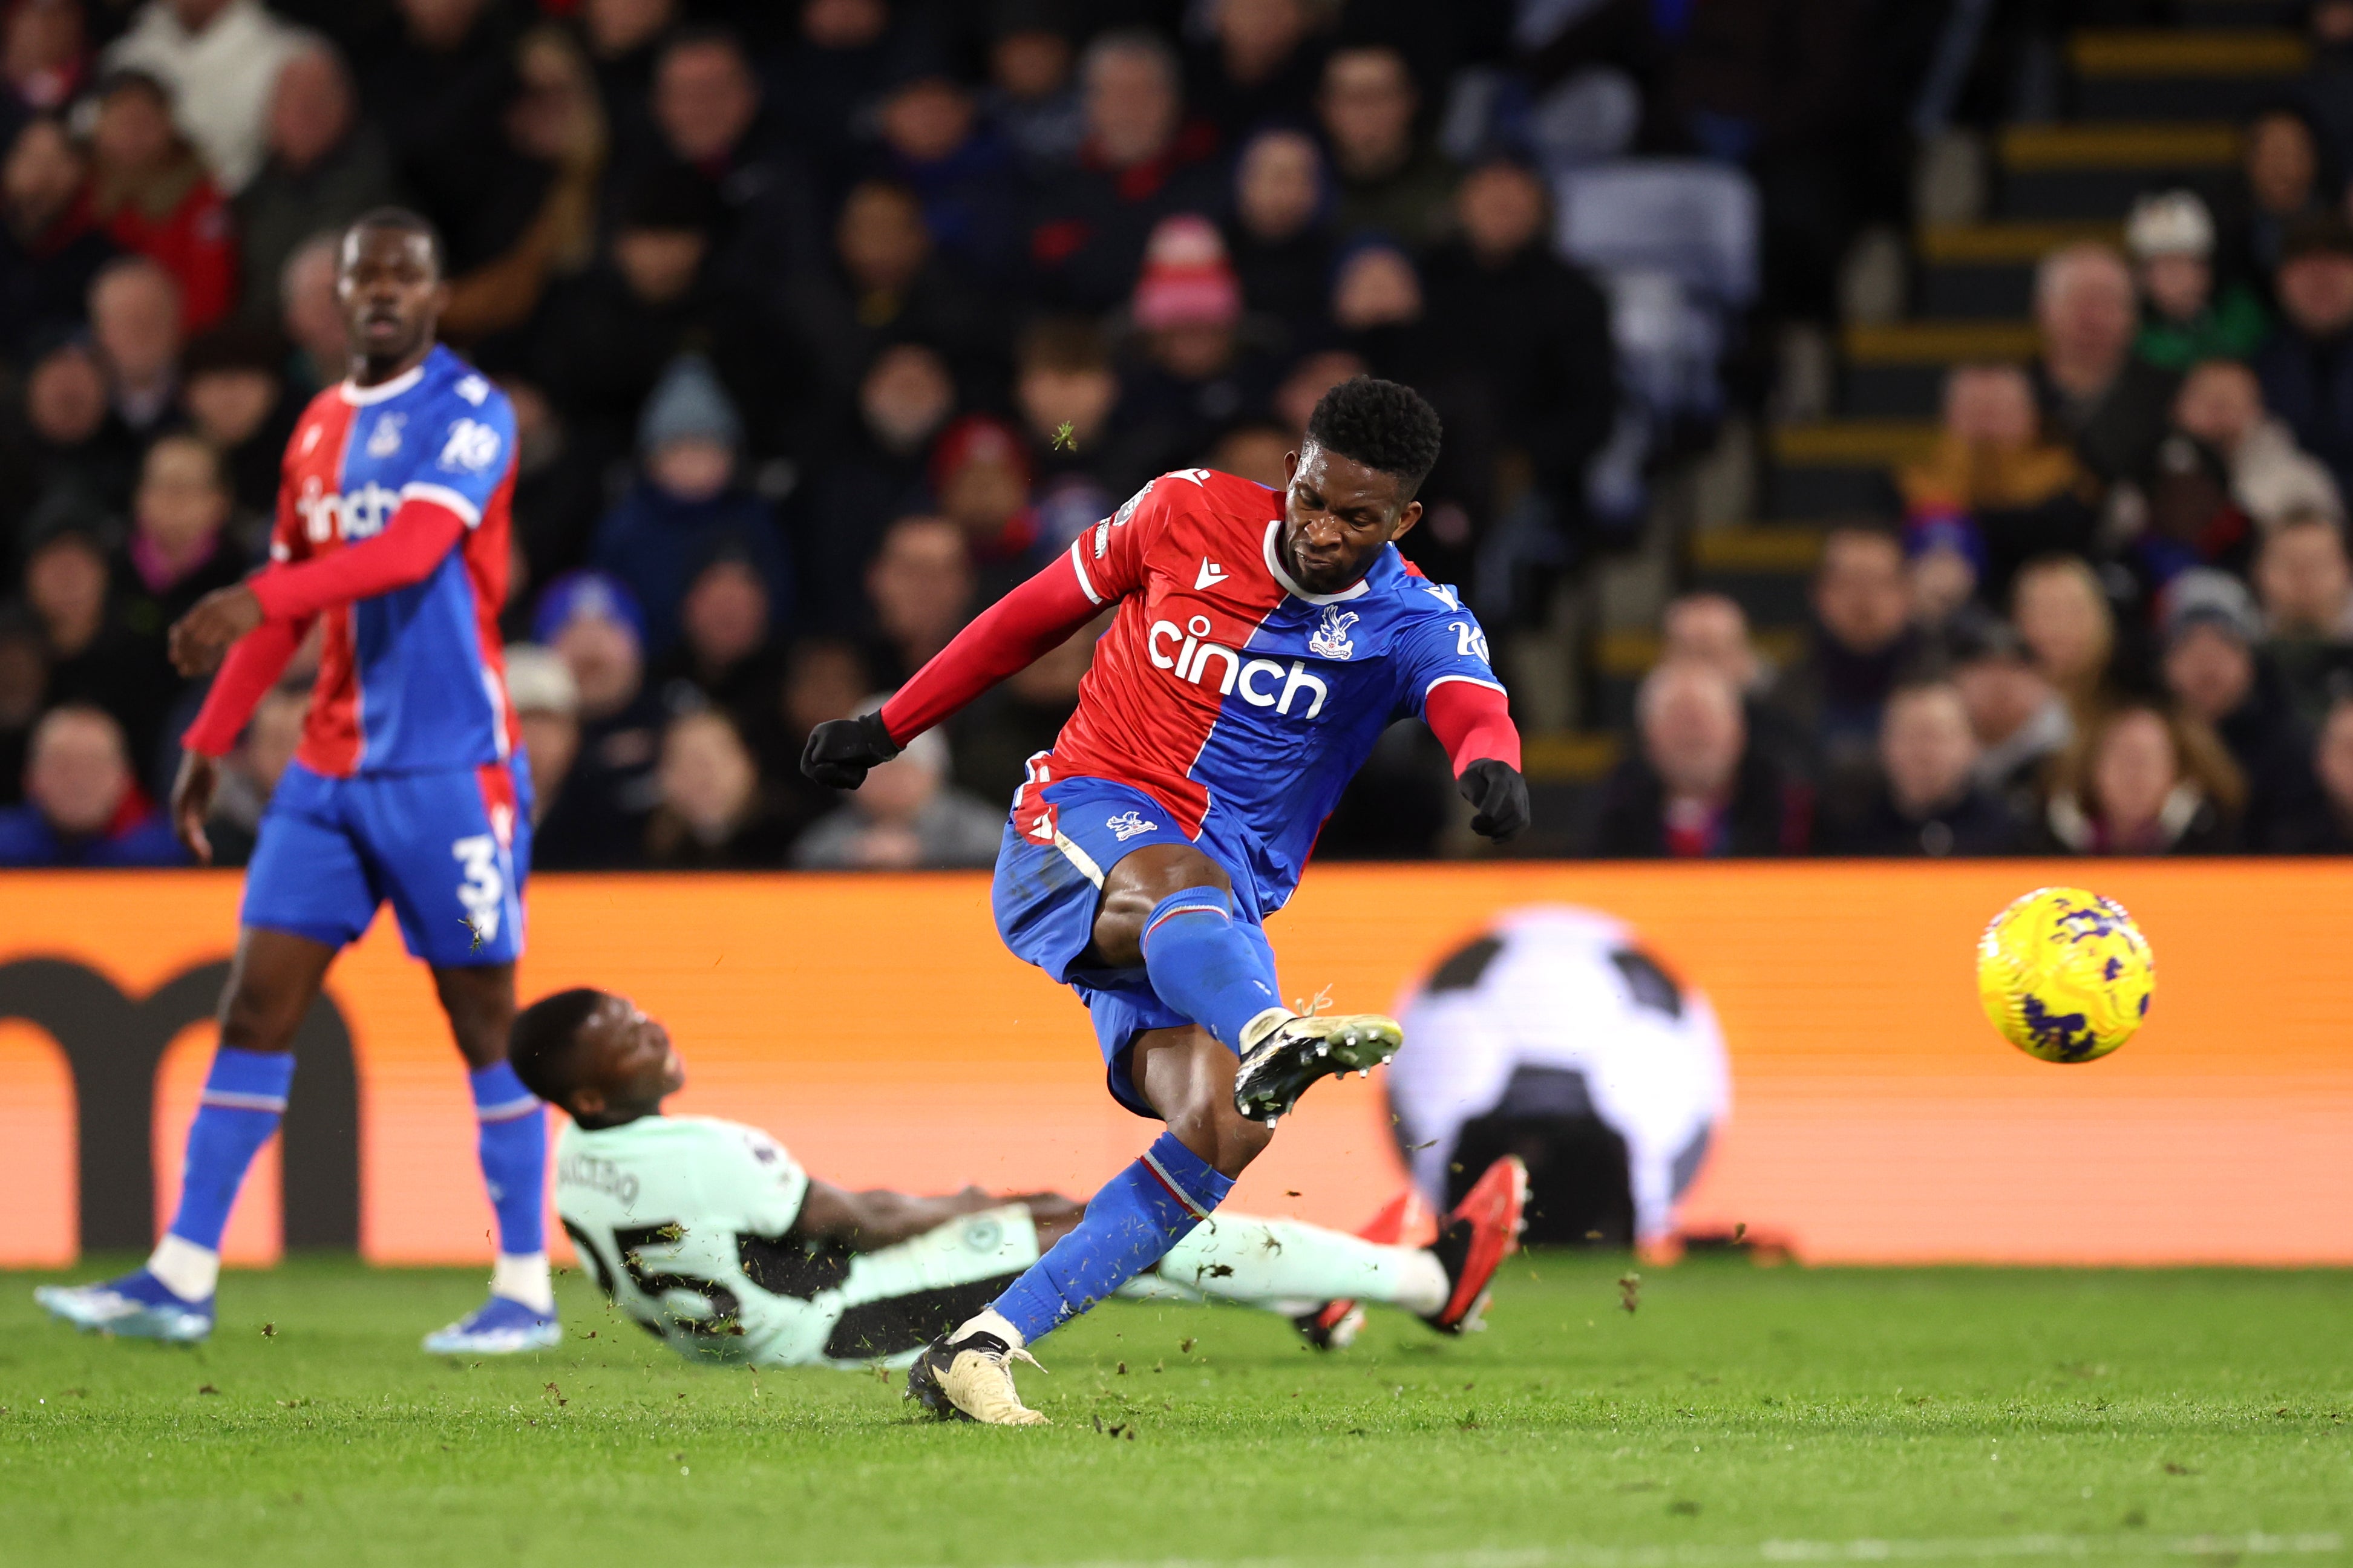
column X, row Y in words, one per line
column 545, row 1040
column 402, row 220
column 1380, row 424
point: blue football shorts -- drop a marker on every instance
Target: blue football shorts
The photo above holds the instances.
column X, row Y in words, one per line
column 1050, row 878
column 450, row 846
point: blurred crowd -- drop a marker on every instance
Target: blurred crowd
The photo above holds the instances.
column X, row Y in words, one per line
column 2112, row 610
column 826, row 321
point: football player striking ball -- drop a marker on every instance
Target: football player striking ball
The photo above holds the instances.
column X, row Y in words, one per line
column 710, row 1234
column 1263, row 641
column 392, row 535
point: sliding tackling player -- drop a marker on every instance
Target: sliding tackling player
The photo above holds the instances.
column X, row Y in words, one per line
column 711, row 1236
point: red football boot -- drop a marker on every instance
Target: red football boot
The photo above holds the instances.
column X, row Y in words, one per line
column 1483, row 1230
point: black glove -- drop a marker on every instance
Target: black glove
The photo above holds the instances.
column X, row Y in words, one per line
column 1500, row 795
column 839, row 751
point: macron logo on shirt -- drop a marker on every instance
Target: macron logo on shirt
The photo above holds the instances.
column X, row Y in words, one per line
column 1211, row 574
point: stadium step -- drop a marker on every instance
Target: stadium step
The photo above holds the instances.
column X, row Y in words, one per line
column 1564, row 773
column 1621, row 660
column 1897, row 369
column 1833, row 468
column 1764, row 568
column 2239, row 13
column 1987, row 271
column 1575, row 757
column 2094, row 169
column 2182, row 72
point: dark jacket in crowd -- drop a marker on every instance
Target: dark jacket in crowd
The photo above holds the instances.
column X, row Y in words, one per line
column 1833, row 698
column 443, row 114
column 1286, row 283
column 993, row 741
column 836, row 331
column 281, row 207
column 1533, row 334
column 1977, row 822
column 759, row 843
column 1090, row 222
column 598, row 819
column 2274, row 750
column 2317, row 827
column 836, row 522
column 972, row 201
column 600, row 348
column 1768, row 814
column 2117, row 435
column 654, row 542
column 2309, row 383
column 45, row 280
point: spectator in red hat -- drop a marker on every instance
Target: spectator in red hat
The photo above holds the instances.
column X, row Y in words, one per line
column 1187, row 296
column 1196, row 377
column 980, row 476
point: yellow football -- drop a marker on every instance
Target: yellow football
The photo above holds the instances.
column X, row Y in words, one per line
column 2066, row 975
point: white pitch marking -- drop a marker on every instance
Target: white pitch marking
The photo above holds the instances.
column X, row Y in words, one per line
column 1862, row 1549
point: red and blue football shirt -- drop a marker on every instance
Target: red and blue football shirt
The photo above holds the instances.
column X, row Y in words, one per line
column 1229, row 693
column 412, row 678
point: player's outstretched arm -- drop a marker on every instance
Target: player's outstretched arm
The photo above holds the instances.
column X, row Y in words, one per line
column 1474, row 723
column 417, row 539
column 1010, row 635
column 863, row 1222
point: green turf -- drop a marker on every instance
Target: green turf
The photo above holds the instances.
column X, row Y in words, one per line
column 1741, row 1415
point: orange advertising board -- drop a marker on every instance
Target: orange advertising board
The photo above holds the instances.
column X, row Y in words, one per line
column 875, row 1025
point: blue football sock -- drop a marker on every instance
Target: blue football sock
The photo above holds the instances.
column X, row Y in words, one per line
column 243, row 1101
column 513, row 1148
column 1203, row 964
column 1131, row 1223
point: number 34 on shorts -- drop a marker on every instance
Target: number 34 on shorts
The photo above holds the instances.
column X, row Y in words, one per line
column 449, row 848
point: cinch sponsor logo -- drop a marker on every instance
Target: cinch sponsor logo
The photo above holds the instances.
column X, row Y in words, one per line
column 1262, row 682
column 359, row 515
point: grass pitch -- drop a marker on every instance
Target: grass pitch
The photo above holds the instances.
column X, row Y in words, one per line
column 1741, row 1415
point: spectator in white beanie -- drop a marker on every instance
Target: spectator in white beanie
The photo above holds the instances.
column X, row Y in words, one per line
column 546, row 703
column 2185, row 317
column 221, row 59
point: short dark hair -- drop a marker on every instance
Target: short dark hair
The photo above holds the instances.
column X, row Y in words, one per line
column 402, row 220
column 134, row 79
column 1380, row 424
column 708, row 36
column 1064, row 343
column 543, row 1044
